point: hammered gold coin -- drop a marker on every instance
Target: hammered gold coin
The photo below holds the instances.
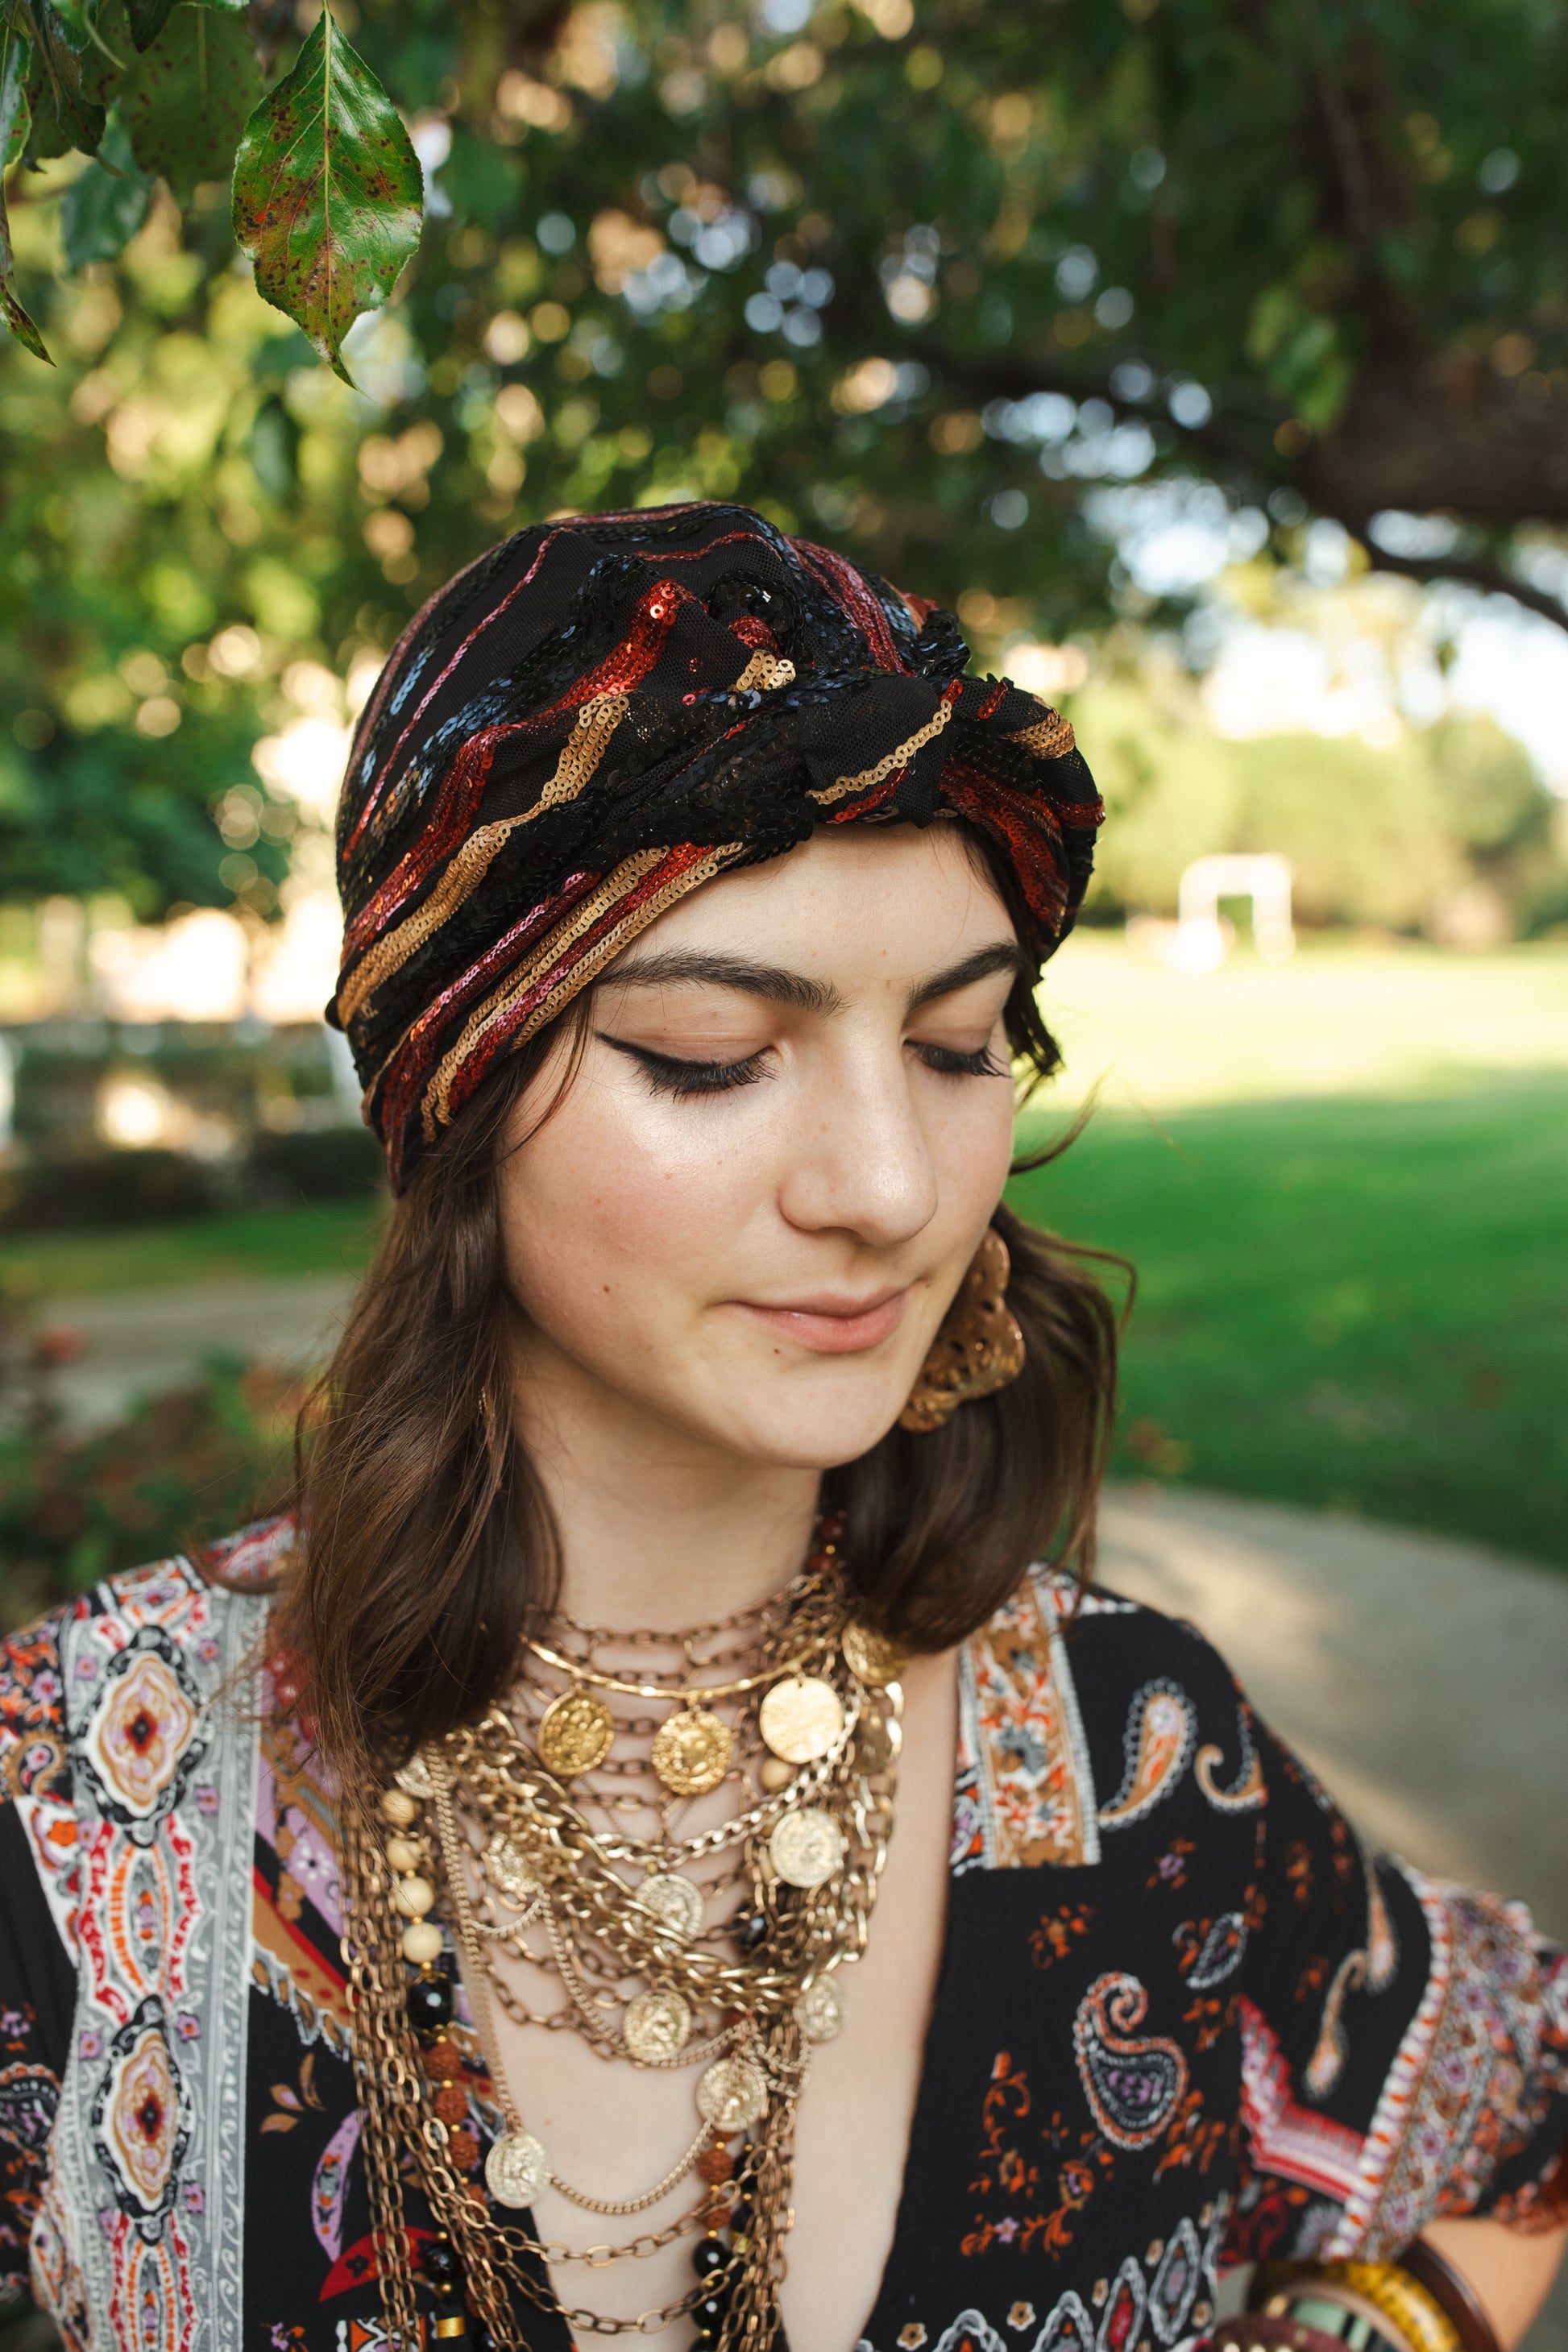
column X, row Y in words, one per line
column 731, row 2093
column 691, row 1751
column 800, row 1718
column 517, row 2168
column 414, row 1779
column 807, row 1847
column 507, row 1865
column 869, row 1657
column 576, row 1733
column 819, row 2012
column 674, row 1901
column 656, row 2025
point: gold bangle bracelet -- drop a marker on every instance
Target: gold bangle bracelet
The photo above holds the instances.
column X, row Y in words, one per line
column 1382, row 2294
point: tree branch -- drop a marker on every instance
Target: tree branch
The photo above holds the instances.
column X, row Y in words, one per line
column 1465, row 571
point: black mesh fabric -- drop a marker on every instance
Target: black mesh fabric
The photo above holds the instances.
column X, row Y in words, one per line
column 602, row 713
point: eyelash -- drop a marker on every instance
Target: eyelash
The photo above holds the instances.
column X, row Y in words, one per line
column 666, row 1075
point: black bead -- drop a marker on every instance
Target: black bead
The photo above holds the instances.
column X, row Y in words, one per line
column 442, row 2267
column 710, row 2315
column 430, row 2004
column 707, row 2255
column 749, row 1929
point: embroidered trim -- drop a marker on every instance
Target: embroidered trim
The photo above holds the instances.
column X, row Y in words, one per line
column 1286, row 2138
column 150, row 2132
column 1025, row 1793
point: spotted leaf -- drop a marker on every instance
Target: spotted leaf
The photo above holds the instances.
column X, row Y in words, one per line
column 328, row 193
column 14, row 64
column 187, row 101
column 60, row 90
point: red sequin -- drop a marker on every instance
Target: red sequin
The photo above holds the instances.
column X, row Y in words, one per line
column 462, row 788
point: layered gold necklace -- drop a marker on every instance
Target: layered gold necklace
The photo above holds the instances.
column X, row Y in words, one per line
column 555, row 1835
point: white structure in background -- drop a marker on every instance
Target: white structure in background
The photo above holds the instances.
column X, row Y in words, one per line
column 1203, row 937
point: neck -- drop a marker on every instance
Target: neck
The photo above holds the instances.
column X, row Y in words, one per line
column 657, row 1527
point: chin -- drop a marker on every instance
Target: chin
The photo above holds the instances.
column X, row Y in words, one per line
column 814, row 1425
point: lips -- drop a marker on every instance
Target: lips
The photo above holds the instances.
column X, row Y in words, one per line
column 829, row 1325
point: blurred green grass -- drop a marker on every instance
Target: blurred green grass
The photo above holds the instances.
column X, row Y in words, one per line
column 329, row 1237
column 1353, row 1303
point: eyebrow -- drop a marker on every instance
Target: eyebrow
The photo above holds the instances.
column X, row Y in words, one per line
column 677, row 967
column 1002, row 955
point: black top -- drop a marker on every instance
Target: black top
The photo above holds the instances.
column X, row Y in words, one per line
column 1181, row 2020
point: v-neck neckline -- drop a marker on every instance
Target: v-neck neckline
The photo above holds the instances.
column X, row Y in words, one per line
column 894, row 2265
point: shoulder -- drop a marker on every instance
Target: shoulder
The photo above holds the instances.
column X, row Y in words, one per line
column 194, row 1616
column 1110, row 1651
column 1083, row 1714
column 107, row 1702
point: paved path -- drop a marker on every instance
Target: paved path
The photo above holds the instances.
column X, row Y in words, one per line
column 138, row 1340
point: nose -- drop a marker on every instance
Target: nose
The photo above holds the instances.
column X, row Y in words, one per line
column 857, row 1160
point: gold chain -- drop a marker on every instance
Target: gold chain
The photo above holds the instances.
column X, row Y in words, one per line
column 695, row 1694
column 600, row 1933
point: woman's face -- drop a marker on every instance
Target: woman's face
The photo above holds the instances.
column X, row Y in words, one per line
column 746, row 1217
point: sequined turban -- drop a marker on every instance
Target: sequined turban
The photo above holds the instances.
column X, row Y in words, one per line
column 601, row 714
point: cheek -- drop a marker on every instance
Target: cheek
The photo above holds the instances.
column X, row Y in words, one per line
column 614, row 1208
column 971, row 1144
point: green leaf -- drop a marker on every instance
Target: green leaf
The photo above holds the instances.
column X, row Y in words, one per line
column 147, row 19
column 273, row 449
column 106, row 204
column 16, row 114
column 21, row 326
column 14, row 63
column 328, row 193
column 186, row 100
column 483, row 181
column 65, row 114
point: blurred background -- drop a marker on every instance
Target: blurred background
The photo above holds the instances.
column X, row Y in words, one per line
column 1212, row 364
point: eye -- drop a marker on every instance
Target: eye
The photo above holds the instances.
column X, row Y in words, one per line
column 666, row 1073
column 949, row 1062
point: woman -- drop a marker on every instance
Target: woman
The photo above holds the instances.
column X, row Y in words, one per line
column 530, row 1892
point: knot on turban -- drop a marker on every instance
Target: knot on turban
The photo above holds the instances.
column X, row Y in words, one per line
column 604, row 713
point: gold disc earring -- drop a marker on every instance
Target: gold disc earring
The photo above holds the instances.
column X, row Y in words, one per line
column 979, row 1348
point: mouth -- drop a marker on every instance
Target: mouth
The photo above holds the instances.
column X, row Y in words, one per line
column 832, row 1325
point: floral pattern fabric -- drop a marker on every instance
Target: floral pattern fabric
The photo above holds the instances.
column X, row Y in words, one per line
column 1183, row 2018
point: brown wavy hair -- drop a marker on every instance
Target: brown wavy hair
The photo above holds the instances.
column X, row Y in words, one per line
column 429, row 1550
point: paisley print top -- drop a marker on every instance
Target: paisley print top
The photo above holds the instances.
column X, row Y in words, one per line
column 1183, row 2019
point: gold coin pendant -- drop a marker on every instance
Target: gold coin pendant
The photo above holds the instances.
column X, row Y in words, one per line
column 806, row 1848
column 691, row 1751
column 800, row 1718
column 517, row 2168
column 414, row 1779
column 732, row 2094
column 507, row 1866
column 869, row 1657
column 819, row 2012
column 656, row 2025
column 576, row 1733
column 675, row 1902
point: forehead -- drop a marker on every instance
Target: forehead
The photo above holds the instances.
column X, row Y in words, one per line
column 903, row 895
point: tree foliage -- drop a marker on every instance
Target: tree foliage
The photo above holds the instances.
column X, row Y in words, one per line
column 927, row 277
